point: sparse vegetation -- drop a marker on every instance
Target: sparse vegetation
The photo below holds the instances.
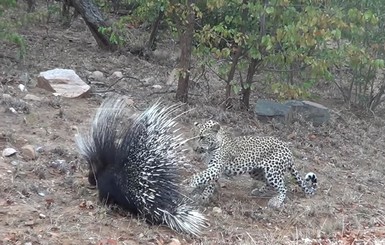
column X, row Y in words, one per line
column 329, row 52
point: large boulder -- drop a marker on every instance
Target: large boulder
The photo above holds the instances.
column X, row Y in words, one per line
column 285, row 112
column 268, row 109
column 63, row 82
column 310, row 111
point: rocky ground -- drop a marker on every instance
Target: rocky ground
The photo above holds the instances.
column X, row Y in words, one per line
column 44, row 193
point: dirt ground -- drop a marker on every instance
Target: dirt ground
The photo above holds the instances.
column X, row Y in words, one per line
column 49, row 201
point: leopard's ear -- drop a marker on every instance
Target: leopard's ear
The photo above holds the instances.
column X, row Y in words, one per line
column 216, row 127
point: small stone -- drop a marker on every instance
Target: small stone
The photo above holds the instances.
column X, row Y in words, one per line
column 89, row 204
column 39, row 149
column 149, row 80
column 174, row 241
column 42, row 216
column 25, row 78
column 129, row 101
column 217, row 210
column 117, row 74
column 41, row 194
column 29, row 223
column 7, row 152
column 7, row 97
column 11, row 109
column 28, row 152
column 22, row 88
column 97, row 75
column 15, row 163
column 141, row 235
column 32, row 97
column 157, row 86
column 28, row 243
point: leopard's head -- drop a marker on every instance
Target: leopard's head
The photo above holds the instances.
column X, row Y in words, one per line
column 207, row 139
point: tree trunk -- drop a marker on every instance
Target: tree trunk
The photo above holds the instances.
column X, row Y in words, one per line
column 228, row 100
column 94, row 20
column 186, row 40
column 31, row 5
column 154, row 31
column 246, row 90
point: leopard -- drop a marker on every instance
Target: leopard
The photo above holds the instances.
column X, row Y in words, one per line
column 264, row 158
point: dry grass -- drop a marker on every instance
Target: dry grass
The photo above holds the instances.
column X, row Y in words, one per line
column 48, row 200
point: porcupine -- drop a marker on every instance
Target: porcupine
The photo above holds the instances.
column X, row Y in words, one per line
column 134, row 163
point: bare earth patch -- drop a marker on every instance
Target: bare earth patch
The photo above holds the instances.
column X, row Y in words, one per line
column 48, row 200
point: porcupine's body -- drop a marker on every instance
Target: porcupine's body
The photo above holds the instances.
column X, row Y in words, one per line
column 134, row 163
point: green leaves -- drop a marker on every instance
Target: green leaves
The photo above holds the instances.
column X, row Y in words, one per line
column 8, row 30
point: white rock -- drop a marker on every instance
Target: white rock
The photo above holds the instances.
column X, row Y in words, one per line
column 217, row 210
column 22, row 88
column 63, row 82
column 32, row 97
column 157, row 86
column 117, row 74
column 97, row 75
column 7, row 152
column 13, row 110
column 7, row 97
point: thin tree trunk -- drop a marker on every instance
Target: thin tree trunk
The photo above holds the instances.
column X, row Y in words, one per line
column 154, row 31
column 186, row 40
column 246, row 90
column 94, row 20
column 228, row 100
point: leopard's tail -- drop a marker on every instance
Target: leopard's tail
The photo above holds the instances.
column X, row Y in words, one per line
column 309, row 186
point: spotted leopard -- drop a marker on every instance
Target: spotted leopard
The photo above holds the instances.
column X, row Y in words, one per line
column 264, row 158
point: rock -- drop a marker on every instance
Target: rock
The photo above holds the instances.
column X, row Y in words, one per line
column 174, row 241
column 149, row 80
column 13, row 110
column 25, row 78
column 266, row 109
column 29, row 223
column 15, row 163
column 6, row 97
column 157, row 86
column 173, row 77
column 117, row 74
column 97, row 75
column 7, row 152
column 310, row 111
column 217, row 210
column 28, row 152
column 63, row 82
column 32, row 97
column 22, row 88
